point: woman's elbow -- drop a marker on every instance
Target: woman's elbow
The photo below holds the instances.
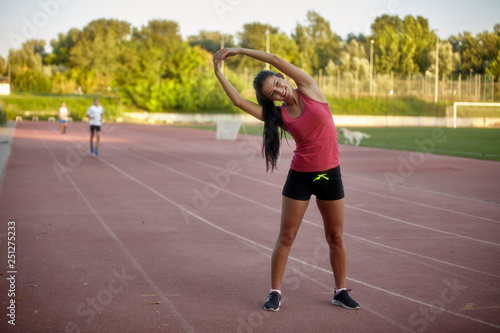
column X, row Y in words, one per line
column 275, row 60
column 238, row 103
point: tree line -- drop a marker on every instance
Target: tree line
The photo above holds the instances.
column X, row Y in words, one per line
column 153, row 68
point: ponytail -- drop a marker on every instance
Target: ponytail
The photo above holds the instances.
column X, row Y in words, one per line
column 273, row 123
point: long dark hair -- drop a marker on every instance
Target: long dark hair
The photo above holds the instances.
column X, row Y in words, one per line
column 273, row 122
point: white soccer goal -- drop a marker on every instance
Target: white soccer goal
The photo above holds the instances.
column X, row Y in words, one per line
column 477, row 111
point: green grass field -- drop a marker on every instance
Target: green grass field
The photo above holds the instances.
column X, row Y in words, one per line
column 480, row 143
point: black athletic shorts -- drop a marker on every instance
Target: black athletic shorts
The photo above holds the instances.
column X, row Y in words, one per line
column 325, row 185
column 95, row 128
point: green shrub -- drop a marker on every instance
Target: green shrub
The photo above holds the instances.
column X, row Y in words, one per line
column 383, row 107
column 32, row 81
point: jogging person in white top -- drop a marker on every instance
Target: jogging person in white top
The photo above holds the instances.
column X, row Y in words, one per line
column 63, row 117
column 95, row 113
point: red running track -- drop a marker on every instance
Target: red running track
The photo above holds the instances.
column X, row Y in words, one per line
column 169, row 230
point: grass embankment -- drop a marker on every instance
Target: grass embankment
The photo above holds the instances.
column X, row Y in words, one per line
column 466, row 142
column 16, row 104
column 386, row 107
column 46, row 105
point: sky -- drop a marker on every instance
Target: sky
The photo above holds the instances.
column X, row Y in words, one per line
column 21, row 20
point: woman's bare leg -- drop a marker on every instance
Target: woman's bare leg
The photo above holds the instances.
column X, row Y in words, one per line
column 292, row 212
column 333, row 220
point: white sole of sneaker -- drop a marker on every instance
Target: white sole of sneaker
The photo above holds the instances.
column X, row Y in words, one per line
column 271, row 309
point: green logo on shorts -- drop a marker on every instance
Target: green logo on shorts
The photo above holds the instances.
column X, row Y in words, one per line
column 322, row 175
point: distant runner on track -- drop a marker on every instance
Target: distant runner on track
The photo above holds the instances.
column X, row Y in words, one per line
column 95, row 113
column 63, row 114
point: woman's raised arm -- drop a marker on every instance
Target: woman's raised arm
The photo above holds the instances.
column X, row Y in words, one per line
column 303, row 81
column 238, row 101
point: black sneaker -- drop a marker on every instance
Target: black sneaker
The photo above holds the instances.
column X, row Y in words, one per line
column 343, row 299
column 273, row 302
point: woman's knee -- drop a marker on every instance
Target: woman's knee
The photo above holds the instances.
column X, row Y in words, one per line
column 335, row 240
column 287, row 238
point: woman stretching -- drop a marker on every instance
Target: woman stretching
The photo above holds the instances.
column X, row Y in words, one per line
column 315, row 166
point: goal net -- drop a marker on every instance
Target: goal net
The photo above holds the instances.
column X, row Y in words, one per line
column 475, row 114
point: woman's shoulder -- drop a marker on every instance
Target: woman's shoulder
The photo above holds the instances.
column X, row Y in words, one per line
column 313, row 96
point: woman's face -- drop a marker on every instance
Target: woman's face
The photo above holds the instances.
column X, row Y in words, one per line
column 275, row 88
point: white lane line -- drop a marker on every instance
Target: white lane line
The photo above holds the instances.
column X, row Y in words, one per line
column 416, row 188
column 200, row 147
column 279, row 211
column 326, row 287
column 422, row 227
column 274, row 209
column 422, row 204
column 347, row 205
column 347, row 187
column 187, row 211
column 421, row 256
column 291, row 257
column 125, row 250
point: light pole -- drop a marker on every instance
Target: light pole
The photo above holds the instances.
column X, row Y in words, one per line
column 470, row 81
column 221, row 47
column 267, row 44
column 437, row 69
column 371, row 66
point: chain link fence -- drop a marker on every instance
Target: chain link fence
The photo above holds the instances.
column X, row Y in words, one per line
column 470, row 88
column 473, row 88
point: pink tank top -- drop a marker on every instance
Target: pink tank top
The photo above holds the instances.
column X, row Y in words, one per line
column 315, row 136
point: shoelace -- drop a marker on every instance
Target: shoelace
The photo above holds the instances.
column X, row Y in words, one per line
column 273, row 297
